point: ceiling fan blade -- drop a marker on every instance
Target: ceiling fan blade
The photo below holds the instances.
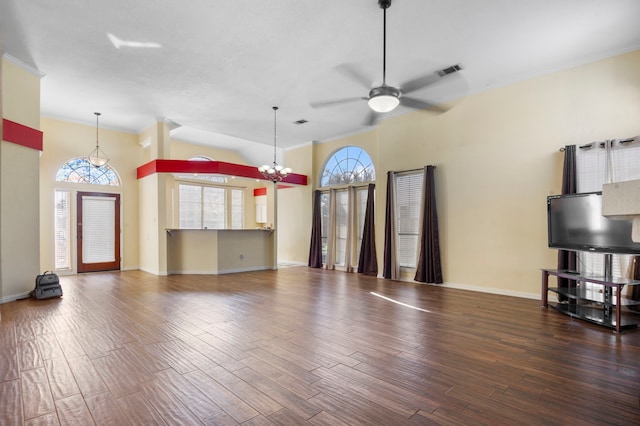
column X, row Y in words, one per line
column 429, row 79
column 333, row 102
column 353, row 73
column 420, row 82
column 372, row 119
column 418, row 104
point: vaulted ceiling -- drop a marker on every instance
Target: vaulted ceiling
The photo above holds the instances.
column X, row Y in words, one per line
column 214, row 69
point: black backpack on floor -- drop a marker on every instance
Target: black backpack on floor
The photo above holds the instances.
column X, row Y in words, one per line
column 47, row 286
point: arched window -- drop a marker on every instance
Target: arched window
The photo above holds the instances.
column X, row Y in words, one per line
column 349, row 169
column 79, row 170
column 207, row 178
column 348, row 165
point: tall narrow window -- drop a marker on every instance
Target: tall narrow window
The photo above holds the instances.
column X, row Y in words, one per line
column 190, row 206
column 361, row 208
column 408, row 197
column 342, row 214
column 62, row 229
column 324, row 217
column 237, row 209
column 213, row 208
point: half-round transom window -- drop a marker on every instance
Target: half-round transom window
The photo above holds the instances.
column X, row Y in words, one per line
column 348, row 165
column 79, row 170
column 201, row 177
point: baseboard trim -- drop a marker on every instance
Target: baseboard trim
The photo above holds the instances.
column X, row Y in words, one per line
column 219, row 272
column 490, row 290
column 14, row 297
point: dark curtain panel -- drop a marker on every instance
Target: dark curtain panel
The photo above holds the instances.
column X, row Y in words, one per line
column 429, row 267
column 388, row 229
column 368, row 262
column 635, row 275
column 568, row 259
column 315, row 251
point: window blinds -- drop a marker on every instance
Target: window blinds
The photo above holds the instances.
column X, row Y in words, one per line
column 98, row 233
column 408, row 200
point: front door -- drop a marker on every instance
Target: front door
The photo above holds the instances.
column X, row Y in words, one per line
column 98, row 231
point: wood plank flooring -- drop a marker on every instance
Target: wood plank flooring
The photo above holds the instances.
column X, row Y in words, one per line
column 305, row 346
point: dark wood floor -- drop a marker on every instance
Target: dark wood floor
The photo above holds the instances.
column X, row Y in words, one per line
column 305, row 346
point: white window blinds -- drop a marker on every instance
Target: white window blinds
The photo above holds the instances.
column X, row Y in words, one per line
column 62, row 229
column 408, row 201
column 606, row 162
column 98, row 233
column 210, row 207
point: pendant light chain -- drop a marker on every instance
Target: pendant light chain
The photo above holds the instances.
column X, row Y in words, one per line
column 274, row 172
column 275, row 129
column 97, row 124
column 96, row 157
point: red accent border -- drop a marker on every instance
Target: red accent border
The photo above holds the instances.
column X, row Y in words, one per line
column 259, row 191
column 21, row 135
column 210, row 167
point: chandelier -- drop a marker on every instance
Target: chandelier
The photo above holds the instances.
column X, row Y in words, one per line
column 97, row 157
column 274, row 172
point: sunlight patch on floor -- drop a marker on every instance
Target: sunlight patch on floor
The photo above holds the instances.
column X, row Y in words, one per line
column 399, row 303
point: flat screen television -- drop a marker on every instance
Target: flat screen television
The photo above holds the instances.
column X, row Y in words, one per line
column 575, row 223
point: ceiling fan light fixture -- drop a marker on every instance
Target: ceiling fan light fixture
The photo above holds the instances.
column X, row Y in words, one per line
column 384, row 98
column 383, row 103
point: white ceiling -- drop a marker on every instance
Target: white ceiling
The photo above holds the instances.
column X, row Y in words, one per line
column 217, row 67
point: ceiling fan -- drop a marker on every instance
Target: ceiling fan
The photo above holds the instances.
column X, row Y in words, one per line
column 385, row 98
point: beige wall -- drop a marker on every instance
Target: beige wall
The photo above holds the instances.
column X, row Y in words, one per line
column 19, row 223
column 183, row 151
column 64, row 141
column 294, row 209
column 497, row 159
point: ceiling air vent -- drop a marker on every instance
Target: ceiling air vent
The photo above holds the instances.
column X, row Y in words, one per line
column 301, row 121
column 449, row 70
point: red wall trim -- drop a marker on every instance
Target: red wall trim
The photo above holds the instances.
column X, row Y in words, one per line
column 259, row 191
column 21, row 135
column 210, row 167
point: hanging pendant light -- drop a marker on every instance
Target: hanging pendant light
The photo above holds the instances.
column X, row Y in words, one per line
column 97, row 157
column 274, row 172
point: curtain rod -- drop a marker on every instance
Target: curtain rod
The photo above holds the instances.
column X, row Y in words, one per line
column 602, row 144
column 413, row 170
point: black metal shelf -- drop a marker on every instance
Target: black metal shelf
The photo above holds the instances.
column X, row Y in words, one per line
column 594, row 314
column 582, row 293
column 602, row 304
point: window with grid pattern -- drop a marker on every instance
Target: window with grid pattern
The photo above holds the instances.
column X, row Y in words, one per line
column 210, row 207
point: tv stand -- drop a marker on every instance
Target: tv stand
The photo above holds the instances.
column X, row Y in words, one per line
column 599, row 308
